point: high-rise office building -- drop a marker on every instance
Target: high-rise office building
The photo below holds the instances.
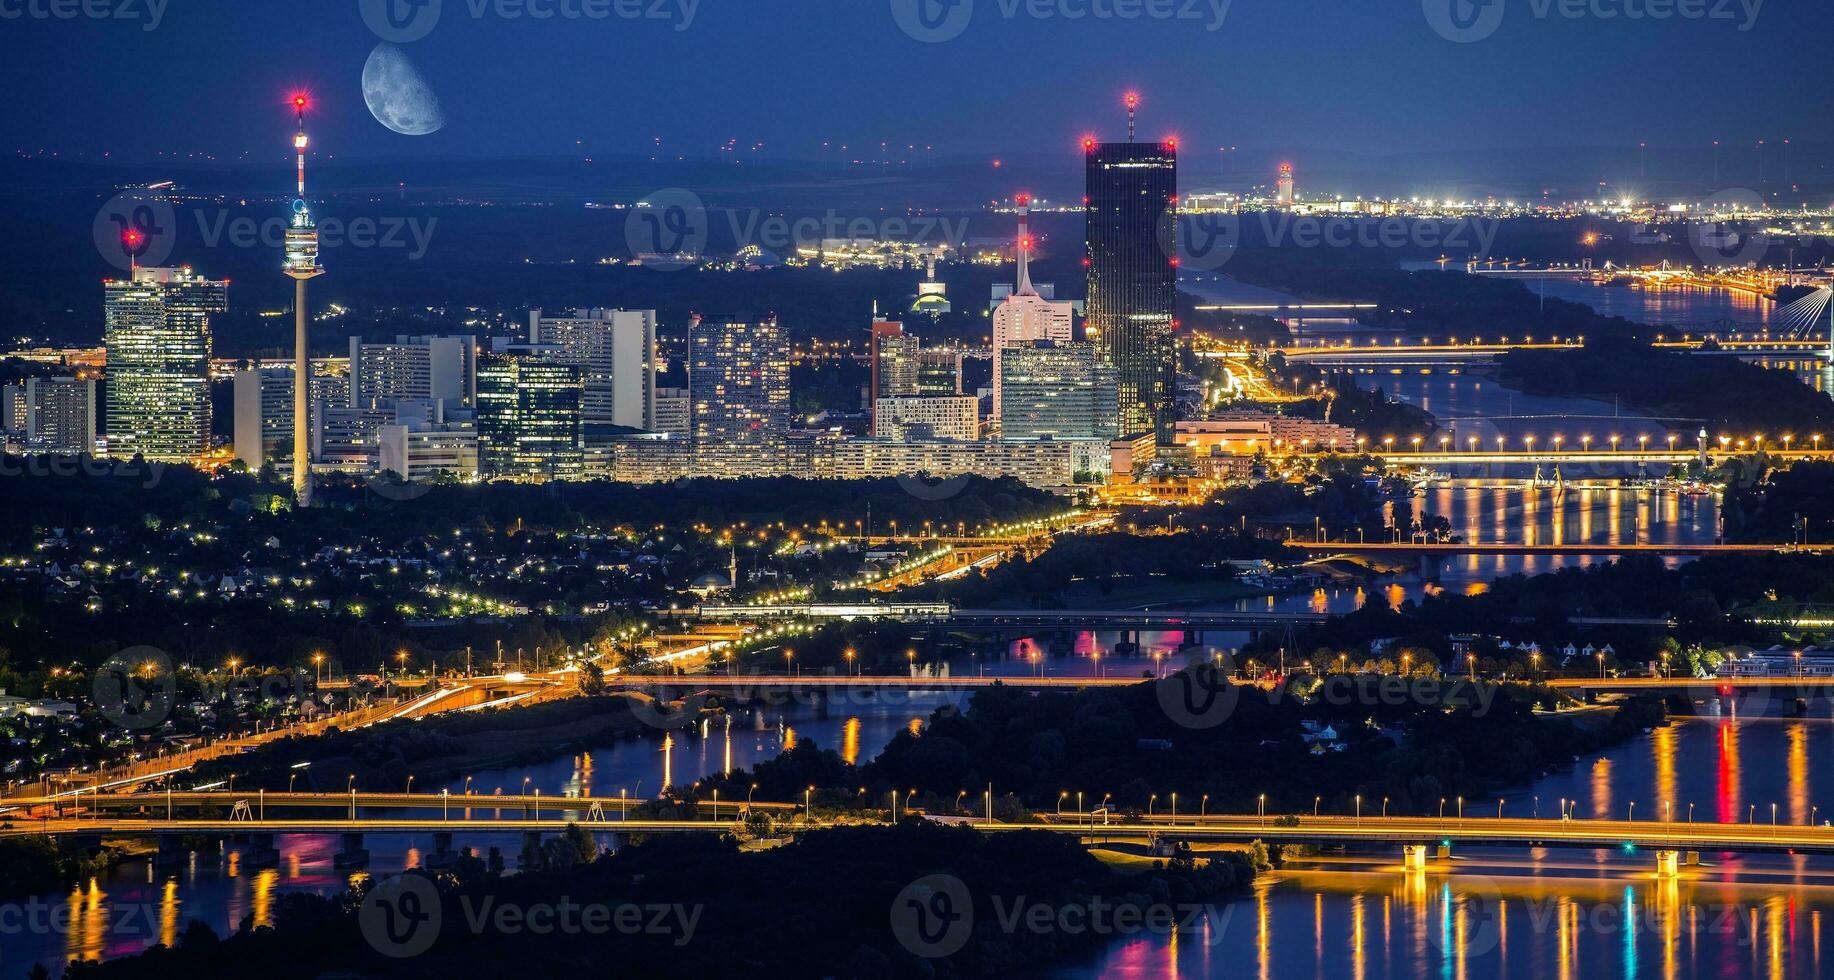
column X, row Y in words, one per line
column 674, row 412
column 1025, row 315
column 263, row 406
column 442, row 368
column 51, row 415
column 1058, row 391
column 157, row 333
column 955, row 417
column 1132, row 191
column 739, row 380
column 615, row 351
column 902, row 368
column 1283, row 186
column 427, row 441
column 528, row 415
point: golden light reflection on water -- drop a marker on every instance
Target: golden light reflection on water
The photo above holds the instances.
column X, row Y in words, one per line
column 1467, row 925
column 1358, row 955
column 168, row 913
column 262, row 891
column 1798, row 783
column 1601, row 788
column 850, row 740
column 1663, row 743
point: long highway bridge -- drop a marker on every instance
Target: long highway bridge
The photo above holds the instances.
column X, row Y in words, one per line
column 1667, row 838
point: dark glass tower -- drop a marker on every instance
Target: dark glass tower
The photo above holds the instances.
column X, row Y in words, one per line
column 1129, row 226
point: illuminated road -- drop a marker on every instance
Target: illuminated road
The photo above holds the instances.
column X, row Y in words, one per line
column 455, row 802
column 1662, row 834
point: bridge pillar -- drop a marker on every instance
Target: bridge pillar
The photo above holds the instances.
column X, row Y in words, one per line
column 171, row 854
column 531, row 849
column 1668, row 864
column 1443, row 852
column 443, row 855
column 351, row 852
column 614, row 842
column 1191, row 639
column 1413, row 857
column 261, row 851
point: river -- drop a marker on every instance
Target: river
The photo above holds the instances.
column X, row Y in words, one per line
column 1359, row 916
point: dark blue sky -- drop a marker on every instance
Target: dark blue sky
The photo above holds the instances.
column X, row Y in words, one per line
column 1368, row 76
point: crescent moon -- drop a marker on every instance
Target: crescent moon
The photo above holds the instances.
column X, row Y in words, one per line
column 398, row 94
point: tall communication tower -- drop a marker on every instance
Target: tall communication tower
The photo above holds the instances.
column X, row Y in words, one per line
column 302, row 265
column 1132, row 100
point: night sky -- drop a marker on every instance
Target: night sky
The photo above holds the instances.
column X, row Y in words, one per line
column 1332, row 74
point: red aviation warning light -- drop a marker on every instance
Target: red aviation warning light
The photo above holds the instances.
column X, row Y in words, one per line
column 1132, row 99
column 1171, row 143
column 1088, row 144
column 1026, row 243
column 131, row 238
column 1023, row 200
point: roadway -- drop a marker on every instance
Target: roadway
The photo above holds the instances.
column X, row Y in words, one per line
column 1663, row 834
column 226, row 799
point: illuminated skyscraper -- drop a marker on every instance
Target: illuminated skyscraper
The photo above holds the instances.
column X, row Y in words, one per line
column 1025, row 316
column 615, row 351
column 1058, row 391
column 157, row 334
column 739, row 382
column 528, row 416
column 1132, row 191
